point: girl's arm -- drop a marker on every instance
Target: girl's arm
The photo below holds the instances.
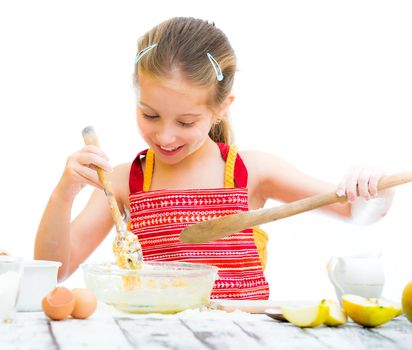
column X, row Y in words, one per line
column 271, row 177
column 69, row 242
column 59, row 239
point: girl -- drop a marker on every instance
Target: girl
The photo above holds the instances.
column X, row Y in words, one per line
column 184, row 72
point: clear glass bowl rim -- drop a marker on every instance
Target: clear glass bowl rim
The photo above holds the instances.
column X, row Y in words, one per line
column 173, row 269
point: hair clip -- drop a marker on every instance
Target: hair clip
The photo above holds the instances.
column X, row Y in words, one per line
column 216, row 67
column 143, row 52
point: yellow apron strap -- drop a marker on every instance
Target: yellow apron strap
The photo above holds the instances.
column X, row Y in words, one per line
column 230, row 167
column 148, row 170
column 261, row 240
column 260, row 236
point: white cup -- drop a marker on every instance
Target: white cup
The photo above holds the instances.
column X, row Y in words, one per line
column 39, row 278
column 10, row 276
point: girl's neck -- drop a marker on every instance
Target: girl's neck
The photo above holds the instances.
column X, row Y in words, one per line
column 203, row 169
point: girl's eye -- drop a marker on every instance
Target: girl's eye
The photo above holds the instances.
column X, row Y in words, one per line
column 154, row 117
column 150, row 117
column 186, row 125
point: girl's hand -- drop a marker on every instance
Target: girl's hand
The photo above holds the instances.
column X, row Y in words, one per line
column 364, row 180
column 80, row 169
column 361, row 180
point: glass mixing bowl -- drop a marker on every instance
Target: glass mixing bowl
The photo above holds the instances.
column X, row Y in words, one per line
column 163, row 287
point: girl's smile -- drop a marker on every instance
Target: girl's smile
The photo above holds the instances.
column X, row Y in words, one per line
column 169, row 151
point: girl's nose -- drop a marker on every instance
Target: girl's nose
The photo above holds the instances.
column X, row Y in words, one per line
column 165, row 136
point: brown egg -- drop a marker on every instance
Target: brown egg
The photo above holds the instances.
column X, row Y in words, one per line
column 59, row 303
column 85, row 303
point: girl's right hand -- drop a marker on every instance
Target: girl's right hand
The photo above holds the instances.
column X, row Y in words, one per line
column 81, row 167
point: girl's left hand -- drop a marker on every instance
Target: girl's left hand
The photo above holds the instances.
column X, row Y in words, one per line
column 361, row 180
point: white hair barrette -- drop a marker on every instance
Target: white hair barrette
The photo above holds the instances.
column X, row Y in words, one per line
column 143, row 52
column 216, row 67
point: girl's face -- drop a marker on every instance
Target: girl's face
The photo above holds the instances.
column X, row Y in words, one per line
column 173, row 117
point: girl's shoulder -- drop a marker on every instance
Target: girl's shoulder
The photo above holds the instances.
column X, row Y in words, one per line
column 257, row 164
column 120, row 182
column 260, row 158
column 264, row 169
column 258, row 161
column 121, row 170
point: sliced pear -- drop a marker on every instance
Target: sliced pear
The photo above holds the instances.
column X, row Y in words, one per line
column 369, row 312
column 309, row 316
column 336, row 316
column 387, row 302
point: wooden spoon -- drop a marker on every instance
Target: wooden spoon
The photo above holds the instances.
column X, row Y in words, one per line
column 211, row 230
column 126, row 246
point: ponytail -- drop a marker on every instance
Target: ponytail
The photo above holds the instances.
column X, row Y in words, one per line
column 221, row 132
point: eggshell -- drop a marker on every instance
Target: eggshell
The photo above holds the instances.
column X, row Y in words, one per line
column 59, row 303
column 85, row 303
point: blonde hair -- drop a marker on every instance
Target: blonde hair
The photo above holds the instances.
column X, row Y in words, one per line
column 183, row 44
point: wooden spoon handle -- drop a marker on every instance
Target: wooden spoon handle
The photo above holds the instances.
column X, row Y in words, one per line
column 271, row 214
column 90, row 138
column 211, row 230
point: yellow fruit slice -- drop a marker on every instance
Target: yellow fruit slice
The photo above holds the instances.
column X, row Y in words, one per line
column 369, row 312
column 309, row 316
column 407, row 300
column 386, row 302
column 336, row 316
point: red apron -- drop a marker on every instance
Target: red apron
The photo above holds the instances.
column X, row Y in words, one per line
column 157, row 218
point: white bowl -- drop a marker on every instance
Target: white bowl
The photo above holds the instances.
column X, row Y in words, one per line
column 39, row 278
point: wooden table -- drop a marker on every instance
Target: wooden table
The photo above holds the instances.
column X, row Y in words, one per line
column 194, row 329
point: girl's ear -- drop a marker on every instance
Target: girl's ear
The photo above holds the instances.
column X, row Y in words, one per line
column 224, row 106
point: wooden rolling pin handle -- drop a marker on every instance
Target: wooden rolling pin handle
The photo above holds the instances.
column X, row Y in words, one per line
column 90, row 138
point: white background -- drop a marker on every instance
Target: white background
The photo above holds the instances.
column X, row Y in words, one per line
column 324, row 84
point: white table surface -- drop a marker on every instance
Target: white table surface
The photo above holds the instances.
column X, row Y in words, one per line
column 193, row 329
